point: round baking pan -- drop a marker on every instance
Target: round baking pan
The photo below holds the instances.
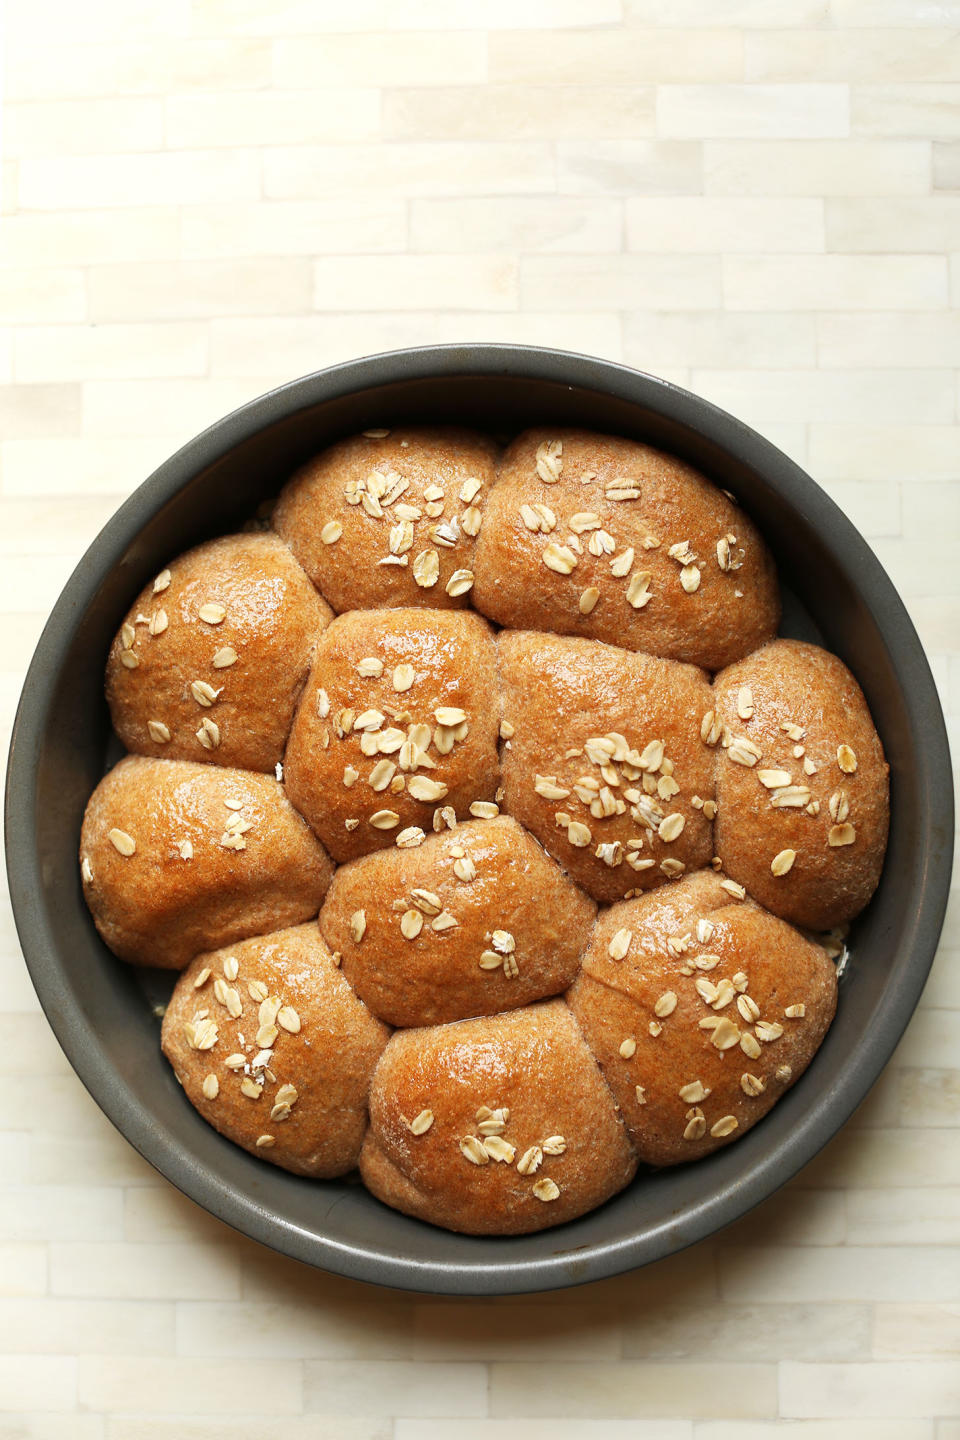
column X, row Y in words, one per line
column 103, row 1011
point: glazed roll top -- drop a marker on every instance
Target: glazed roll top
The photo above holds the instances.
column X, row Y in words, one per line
column 275, row 1050
column 603, row 762
column 802, row 787
column 702, row 1010
column 476, row 920
column 178, row 858
column 397, row 728
column 494, row 1126
column 599, row 536
column 390, row 517
column 212, row 655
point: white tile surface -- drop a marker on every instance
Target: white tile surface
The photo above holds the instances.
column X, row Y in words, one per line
column 760, row 199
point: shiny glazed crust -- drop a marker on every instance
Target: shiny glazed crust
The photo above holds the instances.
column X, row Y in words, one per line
column 219, row 855
column 347, row 769
column 534, row 1064
column 212, row 655
column 699, row 1037
column 620, row 511
column 474, row 921
column 299, row 1098
column 389, row 518
column 818, row 746
column 567, row 704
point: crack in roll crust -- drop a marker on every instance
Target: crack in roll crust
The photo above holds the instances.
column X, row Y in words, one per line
column 481, row 792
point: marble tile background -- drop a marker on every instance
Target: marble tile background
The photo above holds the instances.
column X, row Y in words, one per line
column 757, row 198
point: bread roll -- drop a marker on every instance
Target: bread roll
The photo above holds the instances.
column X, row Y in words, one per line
column 702, row 1010
column 390, row 517
column 275, row 1050
column 476, row 920
column 213, row 654
column 497, row 1126
column 179, row 858
column 604, row 762
column 598, row 536
column 802, row 789
column 398, row 722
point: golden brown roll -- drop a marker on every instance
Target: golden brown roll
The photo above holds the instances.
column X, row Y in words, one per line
column 275, row 1050
column 598, row 536
column 802, row 789
column 496, row 1126
column 603, row 762
column 213, row 653
column 398, row 722
column 476, row 920
column 702, row 1010
column 390, row 517
column 179, row 858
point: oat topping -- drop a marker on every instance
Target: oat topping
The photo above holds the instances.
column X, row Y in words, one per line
column 559, row 558
column 638, row 590
column 783, row 862
column 459, row 583
column 724, row 1126
column 732, row 888
column 484, row 810
column 549, row 461
column 846, row 759
column 530, row 1161
column 696, row 1126
column 473, row 1149
column 620, row 944
column 411, row 923
column 426, row 568
column 665, row 1004
column 209, row 733
column 743, row 751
